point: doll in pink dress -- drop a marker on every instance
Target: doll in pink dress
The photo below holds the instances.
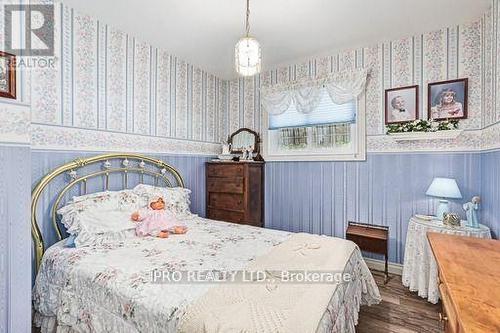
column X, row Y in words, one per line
column 156, row 221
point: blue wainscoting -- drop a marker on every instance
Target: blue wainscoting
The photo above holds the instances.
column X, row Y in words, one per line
column 192, row 169
column 320, row 197
column 15, row 239
column 490, row 213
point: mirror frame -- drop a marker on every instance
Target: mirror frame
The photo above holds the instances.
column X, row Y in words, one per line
column 256, row 144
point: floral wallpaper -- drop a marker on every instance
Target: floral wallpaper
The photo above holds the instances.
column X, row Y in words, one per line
column 106, row 81
column 15, row 124
column 491, row 31
column 469, row 50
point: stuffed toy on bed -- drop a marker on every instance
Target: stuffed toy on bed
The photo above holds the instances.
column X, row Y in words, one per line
column 156, row 221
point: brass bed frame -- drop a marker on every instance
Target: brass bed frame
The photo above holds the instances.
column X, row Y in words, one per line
column 128, row 163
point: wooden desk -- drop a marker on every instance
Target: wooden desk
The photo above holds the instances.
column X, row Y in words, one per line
column 469, row 274
column 371, row 238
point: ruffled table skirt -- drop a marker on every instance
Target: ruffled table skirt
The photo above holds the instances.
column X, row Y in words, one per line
column 420, row 271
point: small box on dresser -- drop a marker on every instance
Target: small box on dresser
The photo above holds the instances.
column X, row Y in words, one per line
column 235, row 192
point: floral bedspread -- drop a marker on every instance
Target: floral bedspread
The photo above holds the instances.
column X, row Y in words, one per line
column 110, row 288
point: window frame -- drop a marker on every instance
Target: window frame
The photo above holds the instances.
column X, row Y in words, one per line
column 359, row 138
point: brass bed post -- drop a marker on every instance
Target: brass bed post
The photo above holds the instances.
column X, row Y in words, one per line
column 162, row 171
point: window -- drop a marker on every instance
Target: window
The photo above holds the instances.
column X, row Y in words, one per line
column 329, row 132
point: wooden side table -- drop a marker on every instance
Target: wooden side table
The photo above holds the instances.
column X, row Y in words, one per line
column 370, row 238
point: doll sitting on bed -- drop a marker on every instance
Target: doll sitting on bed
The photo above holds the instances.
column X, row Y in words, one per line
column 156, row 221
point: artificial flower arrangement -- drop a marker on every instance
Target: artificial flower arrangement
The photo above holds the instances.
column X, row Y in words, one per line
column 421, row 125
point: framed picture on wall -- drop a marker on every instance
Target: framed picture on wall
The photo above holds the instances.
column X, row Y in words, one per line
column 448, row 99
column 401, row 104
column 7, row 75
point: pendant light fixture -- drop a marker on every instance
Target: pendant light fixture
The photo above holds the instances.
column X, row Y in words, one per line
column 247, row 55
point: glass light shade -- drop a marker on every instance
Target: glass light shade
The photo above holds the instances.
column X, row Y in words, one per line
column 444, row 188
column 247, row 56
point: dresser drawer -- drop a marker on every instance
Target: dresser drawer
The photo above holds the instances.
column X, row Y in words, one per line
column 449, row 317
column 226, row 201
column 224, row 170
column 225, row 185
column 225, row 215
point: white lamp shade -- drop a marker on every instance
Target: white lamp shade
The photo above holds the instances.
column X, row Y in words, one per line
column 247, row 56
column 444, row 188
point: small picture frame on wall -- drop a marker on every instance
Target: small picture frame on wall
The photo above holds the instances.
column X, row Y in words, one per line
column 448, row 99
column 401, row 105
column 7, row 75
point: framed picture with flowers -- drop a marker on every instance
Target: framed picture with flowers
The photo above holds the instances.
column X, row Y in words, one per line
column 7, row 75
column 448, row 99
column 401, row 105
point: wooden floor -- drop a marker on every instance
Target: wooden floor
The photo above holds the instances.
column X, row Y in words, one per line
column 400, row 311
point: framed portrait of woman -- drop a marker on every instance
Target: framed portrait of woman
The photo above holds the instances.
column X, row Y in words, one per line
column 448, row 99
column 7, row 75
column 401, row 105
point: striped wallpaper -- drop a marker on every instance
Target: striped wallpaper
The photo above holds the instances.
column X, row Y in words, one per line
column 490, row 24
column 468, row 50
column 107, row 80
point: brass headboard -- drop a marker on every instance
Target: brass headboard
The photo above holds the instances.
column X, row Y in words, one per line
column 128, row 163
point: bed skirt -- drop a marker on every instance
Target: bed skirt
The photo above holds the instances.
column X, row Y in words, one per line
column 341, row 315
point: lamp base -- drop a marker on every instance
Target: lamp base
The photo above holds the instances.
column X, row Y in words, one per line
column 443, row 208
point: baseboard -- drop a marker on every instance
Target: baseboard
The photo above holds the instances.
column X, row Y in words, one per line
column 379, row 265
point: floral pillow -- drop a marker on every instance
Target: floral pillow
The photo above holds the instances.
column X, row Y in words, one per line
column 176, row 198
column 97, row 218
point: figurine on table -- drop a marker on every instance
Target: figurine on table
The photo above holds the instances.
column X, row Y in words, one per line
column 471, row 210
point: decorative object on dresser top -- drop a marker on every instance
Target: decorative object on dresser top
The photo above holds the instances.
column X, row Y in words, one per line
column 244, row 144
column 444, row 188
column 469, row 269
column 371, row 238
column 419, row 267
column 226, row 152
column 235, row 192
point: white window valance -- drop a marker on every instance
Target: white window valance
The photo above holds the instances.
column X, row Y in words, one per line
column 342, row 87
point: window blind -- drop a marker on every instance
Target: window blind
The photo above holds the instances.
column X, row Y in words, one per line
column 327, row 112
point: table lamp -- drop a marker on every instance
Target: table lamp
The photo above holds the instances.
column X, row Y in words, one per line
column 444, row 188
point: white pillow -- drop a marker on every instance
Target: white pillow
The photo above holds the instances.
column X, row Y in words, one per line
column 176, row 198
column 100, row 227
column 99, row 218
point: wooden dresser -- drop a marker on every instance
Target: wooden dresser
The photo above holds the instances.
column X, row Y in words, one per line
column 469, row 275
column 235, row 192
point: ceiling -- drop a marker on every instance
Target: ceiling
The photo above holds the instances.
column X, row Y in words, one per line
column 203, row 32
